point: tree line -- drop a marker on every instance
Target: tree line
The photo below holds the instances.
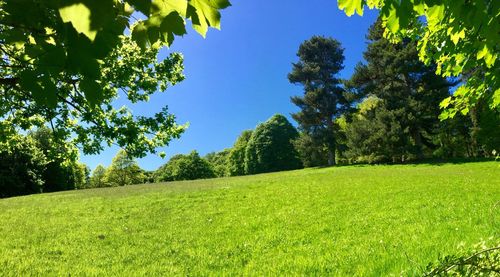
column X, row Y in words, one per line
column 387, row 112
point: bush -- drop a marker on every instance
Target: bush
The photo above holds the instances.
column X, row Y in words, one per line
column 481, row 261
column 185, row 167
column 270, row 147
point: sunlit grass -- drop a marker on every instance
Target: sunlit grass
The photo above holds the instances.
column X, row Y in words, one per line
column 355, row 220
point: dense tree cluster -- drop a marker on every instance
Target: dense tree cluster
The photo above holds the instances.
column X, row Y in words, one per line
column 185, row 167
column 33, row 163
column 389, row 110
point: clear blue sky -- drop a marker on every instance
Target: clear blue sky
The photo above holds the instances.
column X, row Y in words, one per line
column 237, row 77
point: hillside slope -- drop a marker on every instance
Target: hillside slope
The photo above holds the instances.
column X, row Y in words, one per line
column 355, row 220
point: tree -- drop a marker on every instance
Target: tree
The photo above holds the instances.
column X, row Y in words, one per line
column 22, row 165
column 461, row 37
column 375, row 134
column 98, row 178
column 219, row 162
column 320, row 61
column 310, row 153
column 123, row 171
column 185, row 167
column 236, row 158
column 63, row 171
column 407, row 94
column 270, row 147
column 64, row 62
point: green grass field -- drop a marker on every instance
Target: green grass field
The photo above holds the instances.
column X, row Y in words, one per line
column 353, row 220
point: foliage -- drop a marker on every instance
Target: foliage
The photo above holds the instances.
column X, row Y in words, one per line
column 270, row 147
column 219, row 162
column 63, row 171
column 98, row 178
column 401, row 118
column 489, row 130
column 236, row 158
column 185, row 167
column 22, row 167
column 378, row 137
column 461, row 37
column 64, row 62
column 482, row 261
column 337, row 221
column 123, row 171
column 310, row 153
column 320, row 61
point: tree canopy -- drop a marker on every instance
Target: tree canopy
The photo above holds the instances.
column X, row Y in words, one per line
column 123, row 171
column 185, row 167
column 404, row 116
column 270, row 148
column 65, row 61
column 236, row 158
column 461, row 37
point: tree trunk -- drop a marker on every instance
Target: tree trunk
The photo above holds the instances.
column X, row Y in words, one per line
column 417, row 137
column 332, row 145
column 474, row 131
column 331, row 155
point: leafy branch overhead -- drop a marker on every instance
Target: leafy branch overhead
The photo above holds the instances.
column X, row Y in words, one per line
column 65, row 61
column 461, row 37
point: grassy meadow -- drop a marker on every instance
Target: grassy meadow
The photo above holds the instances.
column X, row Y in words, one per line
column 352, row 220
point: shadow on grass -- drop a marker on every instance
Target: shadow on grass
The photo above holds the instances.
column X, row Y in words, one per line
column 430, row 161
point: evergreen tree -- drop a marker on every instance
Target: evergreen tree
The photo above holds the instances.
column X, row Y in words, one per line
column 310, row 153
column 406, row 118
column 320, row 61
column 270, row 147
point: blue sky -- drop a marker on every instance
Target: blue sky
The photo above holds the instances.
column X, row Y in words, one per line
column 237, row 77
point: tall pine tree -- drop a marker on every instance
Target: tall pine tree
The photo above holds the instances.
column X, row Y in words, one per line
column 320, row 61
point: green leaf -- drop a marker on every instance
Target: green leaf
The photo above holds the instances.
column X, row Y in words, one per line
column 392, row 20
column 455, row 37
column 445, row 103
column 92, row 91
column 496, row 99
column 204, row 13
column 29, row 82
column 485, row 53
column 144, row 6
column 351, row 6
column 140, row 34
column 434, row 15
column 54, row 59
column 49, row 91
column 79, row 16
column 173, row 23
